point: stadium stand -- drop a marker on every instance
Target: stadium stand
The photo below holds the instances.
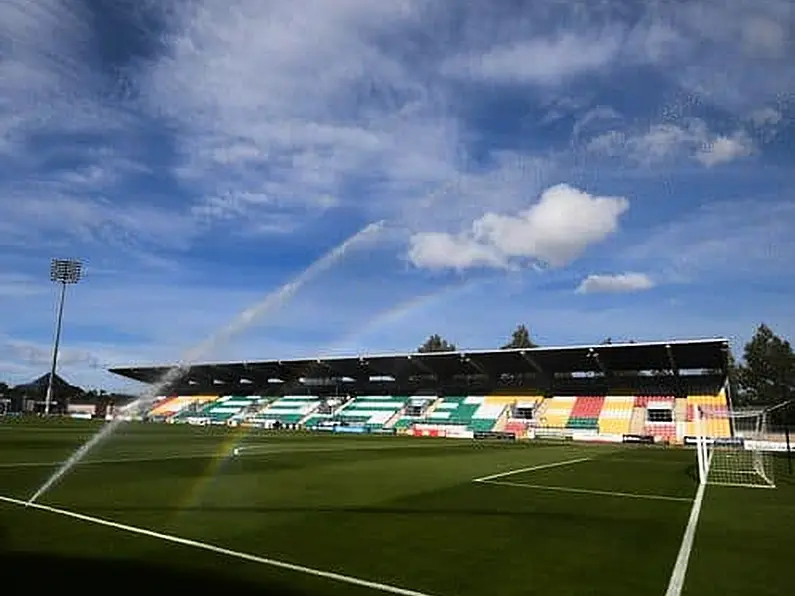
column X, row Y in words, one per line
column 405, row 423
column 660, row 422
column 517, row 427
column 502, row 400
column 324, row 413
column 373, row 412
column 522, row 411
column 289, row 409
column 473, row 413
column 502, row 385
column 585, row 413
column 616, row 414
column 637, row 422
column 556, row 411
column 456, row 411
column 221, row 410
column 486, row 416
column 415, row 411
column 717, row 424
column 171, row 406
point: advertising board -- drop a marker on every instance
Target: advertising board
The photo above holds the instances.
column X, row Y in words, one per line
column 643, row 439
column 499, row 436
column 351, row 429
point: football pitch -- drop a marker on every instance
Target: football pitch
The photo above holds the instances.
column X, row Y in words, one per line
column 163, row 508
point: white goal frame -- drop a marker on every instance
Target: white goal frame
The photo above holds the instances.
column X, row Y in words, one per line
column 736, row 460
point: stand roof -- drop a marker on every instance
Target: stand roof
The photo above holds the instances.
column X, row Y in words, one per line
column 603, row 360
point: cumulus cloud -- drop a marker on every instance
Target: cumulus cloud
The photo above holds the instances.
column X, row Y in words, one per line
column 556, row 230
column 622, row 282
column 439, row 250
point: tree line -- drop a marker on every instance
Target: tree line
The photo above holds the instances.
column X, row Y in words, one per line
column 763, row 376
column 520, row 338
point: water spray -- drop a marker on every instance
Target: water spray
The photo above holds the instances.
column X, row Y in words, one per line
column 243, row 321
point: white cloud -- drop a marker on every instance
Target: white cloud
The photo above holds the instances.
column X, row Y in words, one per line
column 54, row 213
column 622, row 282
column 669, row 142
column 739, row 54
column 663, row 141
column 594, row 120
column 58, row 190
column 439, row 250
column 280, row 108
column 724, row 149
column 555, row 231
column 544, row 61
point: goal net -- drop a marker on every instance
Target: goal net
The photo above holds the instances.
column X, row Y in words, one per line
column 729, row 446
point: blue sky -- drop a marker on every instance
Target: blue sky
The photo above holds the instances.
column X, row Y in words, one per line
column 590, row 169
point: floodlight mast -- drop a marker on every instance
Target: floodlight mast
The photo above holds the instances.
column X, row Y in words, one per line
column 64, row 272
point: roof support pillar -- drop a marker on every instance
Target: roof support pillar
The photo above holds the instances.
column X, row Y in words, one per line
column 671, row 360
column 532, row 362
column 595, row 357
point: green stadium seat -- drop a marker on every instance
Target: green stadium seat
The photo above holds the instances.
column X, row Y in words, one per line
column 223, row 409
column 288, row 409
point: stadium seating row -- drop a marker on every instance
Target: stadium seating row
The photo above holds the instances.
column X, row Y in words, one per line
column 664, row 417
column 170, row 406
column 289, row 409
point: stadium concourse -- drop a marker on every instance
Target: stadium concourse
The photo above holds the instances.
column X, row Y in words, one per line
column 637, row 392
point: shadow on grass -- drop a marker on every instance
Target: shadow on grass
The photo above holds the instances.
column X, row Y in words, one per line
column 692, row 472
column 41, row 573
column 509, row 511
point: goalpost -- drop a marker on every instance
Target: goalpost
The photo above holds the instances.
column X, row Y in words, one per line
column 729, row 448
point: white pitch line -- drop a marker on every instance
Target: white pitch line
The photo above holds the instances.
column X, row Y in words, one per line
column 253, row 449
column 588, row 491
column 677, row 581
column 556, row 464
column 220, row 550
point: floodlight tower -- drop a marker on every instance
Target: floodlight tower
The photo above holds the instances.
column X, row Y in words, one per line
column 64, row 272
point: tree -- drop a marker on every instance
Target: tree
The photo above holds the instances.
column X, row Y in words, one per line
column 767, row 373
column 520, row 339
column 435, row 343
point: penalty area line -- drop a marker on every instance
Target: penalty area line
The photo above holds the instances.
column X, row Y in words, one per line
column 556, row 464
column 338, row 577
column 589, row 491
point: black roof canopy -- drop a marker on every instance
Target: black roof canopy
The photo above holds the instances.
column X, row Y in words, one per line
column 674, row 356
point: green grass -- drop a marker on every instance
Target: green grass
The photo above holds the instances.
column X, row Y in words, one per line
column 395, row 510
